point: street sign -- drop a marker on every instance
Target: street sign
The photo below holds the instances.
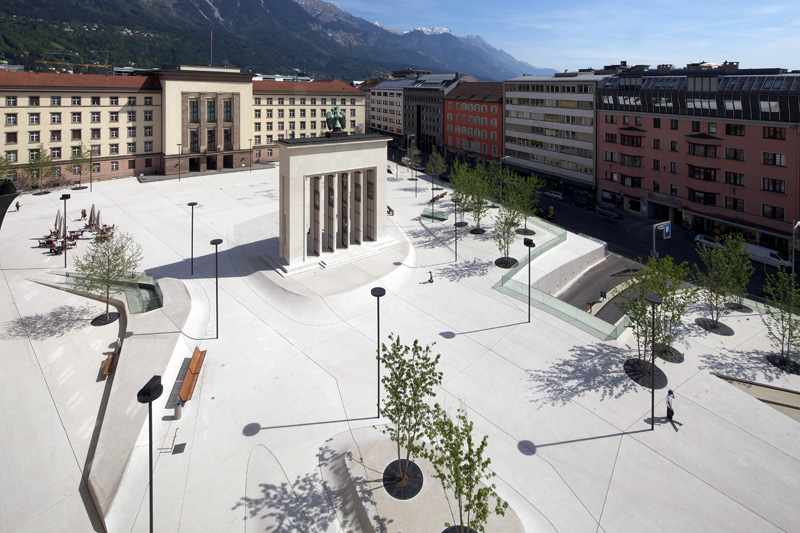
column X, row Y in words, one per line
column 602, row 294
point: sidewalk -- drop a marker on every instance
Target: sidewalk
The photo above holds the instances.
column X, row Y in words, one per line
column 293, row 377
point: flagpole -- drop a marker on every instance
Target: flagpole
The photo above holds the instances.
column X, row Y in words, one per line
column 212, row 49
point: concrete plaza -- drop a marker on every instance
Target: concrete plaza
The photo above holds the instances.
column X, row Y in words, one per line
column 279, row 434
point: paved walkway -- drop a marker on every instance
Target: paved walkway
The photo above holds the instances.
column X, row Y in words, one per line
column 292, row 378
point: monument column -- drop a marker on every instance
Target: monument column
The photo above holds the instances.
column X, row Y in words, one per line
column 316, row 206
column 356, row 207
column 330, row 212
column 344, row 210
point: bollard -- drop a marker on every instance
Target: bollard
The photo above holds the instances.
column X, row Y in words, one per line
column 177, row 415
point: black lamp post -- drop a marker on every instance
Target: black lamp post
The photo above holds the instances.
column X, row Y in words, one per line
column 91, row 169
column 456, row 201
column 180, row 152
column 251, row 154
column 377, row 292
column 216, row 243
column 148, row 394
column 65, row 197
column 530, row 244
column 653, row 300
column 192, row 204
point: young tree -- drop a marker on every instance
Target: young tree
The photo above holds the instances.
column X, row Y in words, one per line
column 714, row 280
column 781, row 316
column 410, row 380
column 40, row 169
column 80, row 161
column 477, row 191
column 436, row 165
column 527, row 190
column 663, row 278
column 106, row 263
column 414, row 156
column 460, row 466
column 505, row 222
column 739, row 264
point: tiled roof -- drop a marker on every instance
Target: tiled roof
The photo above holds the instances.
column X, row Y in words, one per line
column 40, row 80
column 487, row 91
column 305, row 87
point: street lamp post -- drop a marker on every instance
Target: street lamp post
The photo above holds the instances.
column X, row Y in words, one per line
column 192, row 204
column 65, row 197
column 251, row 154
column 148, row 394
column 378, row 292
column 653, row 300
column 793, row 248
column 180, row 152
column 91, row 169
column 530, row 244
column 216, row 243
column 456, row 201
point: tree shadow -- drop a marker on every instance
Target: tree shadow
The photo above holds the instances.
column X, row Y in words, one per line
column 750, row 365
column 465, row 269
column 586, row 369
column 428, row 239
column 54, row 323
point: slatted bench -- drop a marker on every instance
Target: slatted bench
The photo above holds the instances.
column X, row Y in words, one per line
column 192, row 373
column 111, row 360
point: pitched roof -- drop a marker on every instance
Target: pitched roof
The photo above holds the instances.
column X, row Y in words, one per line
column 39, row 80
column 305, row 87
column 486, row 91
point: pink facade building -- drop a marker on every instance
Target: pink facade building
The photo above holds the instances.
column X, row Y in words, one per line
column 473, row 122
column 713, row 149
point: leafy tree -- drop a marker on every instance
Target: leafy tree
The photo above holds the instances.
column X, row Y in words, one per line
column 781, row 316
column 436, row 165
column 40, row 170
column 739, row 264
column 663, row 278
column 460, row 180
column 526, row 193
column 5, row 167
column 414, row 156
column 80, row 161
column 106, row 263
column 478, row 188
column 411, row 379
column 505, row 222
column 460, row 466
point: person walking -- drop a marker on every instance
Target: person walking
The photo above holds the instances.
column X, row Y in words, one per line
column 670, row 405
column 430, row 273
column 83, row 214
column 17, row 205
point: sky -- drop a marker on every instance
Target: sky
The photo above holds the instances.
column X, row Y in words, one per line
column 574, row 34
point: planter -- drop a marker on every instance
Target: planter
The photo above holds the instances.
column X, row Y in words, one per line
column 405, row 487
column 506, row 262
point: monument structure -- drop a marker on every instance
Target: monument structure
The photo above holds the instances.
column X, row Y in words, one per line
column 332, row 192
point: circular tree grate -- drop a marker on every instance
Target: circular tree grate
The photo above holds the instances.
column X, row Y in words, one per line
column 405, row 487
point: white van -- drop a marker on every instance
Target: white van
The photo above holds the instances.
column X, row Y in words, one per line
column 759, row 254
column 555, row 195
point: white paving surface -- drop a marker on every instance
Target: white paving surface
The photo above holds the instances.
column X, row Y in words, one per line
column 294, row 366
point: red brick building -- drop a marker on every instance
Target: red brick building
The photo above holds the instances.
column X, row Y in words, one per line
column 473, row 114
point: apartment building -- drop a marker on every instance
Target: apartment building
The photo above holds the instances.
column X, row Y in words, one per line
column 714, row 148
column 550, row 128
column 296, row 110
column 474, row 122
column 423, row 108
column 386, row 106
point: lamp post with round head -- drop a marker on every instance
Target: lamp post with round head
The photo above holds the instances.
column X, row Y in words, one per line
column 216, row 243
column 378, row 292
column 530, row 244
column 192, row 204
column 65, row 197
column 148, row 394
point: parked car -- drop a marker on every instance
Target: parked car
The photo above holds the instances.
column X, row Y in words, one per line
column 606, row 212
column 706, row 240
column 555, row 195
column 760, row 254
column 541, row 213
column 583, row 203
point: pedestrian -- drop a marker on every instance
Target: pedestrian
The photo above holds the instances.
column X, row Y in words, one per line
column 670, row 404
column 18, row 205
column 431, row 277
column 83, row 214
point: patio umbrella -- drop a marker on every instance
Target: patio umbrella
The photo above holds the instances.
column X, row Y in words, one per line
column 57, row 223
column 91, row 217
column 97, row 219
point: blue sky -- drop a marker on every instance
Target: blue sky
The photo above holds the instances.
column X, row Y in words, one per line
column 576, row 34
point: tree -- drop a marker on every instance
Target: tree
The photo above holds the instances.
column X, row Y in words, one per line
column 40, row 169
column 106, row 263
column 505, row 222
column 663, row 278
column 436, row 165
column 80, row 160
column 526, row 190
column 413, row 155
column 478, row 188
column 411, row 379
column 5, row 167
column 741, row 268
column 460, row 466
column 781, row 316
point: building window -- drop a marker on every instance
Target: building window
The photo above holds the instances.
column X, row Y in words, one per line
column 704, row 198
column 701, row 173
column 712, row 127
column 736, row 154
column 115, row 165
column 226, row 111
column 626, row 120
column 113, row 116
column 55, row 153
column 257, row 101
column 148, row 100
column 33, row 118
column 609, row 176
column 734, row 178
column 631, row 161
column 611, row 156
column 148, row 115
column 11, row 101
column 657, row 144
column 269, row 113
column 11, row 137
column 269, row 152
column 211, row 111
column 148, row 146
column 113, row 149
column 55, row 135
column 673, row 124
column 76, row 118
column 280, row 113
column 113, row 133
column 611, row 137
column 257, row 113
column 76, row 100
column 778, row 160
column 193, row 113
column 95, row 149
column 55, row 101
column 194, row 143
column 673, row 190
column 131, row 148
column 269, row 126
column 257, row 140
column 131, row 116
column 132, row 164
column 11, row 119
column 131, row 100
column 113, row 100
column 773, row 185
column 280, row 101
column 656, row 164
column 771, row 211
column 631, row 140
column 11, row 155
column 673, row 146
column 656, row 122
column 257, row 126
column 633, row 182
column 148, row 131
column 774, row 133
column 95, row 133
column 33, row 100
column 76, row 135
column 703, row 150
column 734, row 129
column 695, row 125
column 95, row 167
column 95, row 116
column 269, row 101
column 76, row 169
column 638, row 121
column 736, row 204
column 95, row 100
column 280, row 125
column 291, row 124
column 76, row 151
column 148, row 163
column 55, row 118
column 132, row 131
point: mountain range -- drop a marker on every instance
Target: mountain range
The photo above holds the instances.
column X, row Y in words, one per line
column 261, row 36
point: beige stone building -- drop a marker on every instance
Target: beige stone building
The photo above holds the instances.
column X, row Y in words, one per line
column 161, row 122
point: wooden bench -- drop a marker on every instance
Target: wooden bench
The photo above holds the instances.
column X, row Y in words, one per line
column 111, row 360
column 389, row 211
column 193, row 372
column 438, row 197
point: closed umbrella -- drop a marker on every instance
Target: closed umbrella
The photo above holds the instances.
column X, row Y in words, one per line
column 57, row 224
column 97, row 219
column 91, row 223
